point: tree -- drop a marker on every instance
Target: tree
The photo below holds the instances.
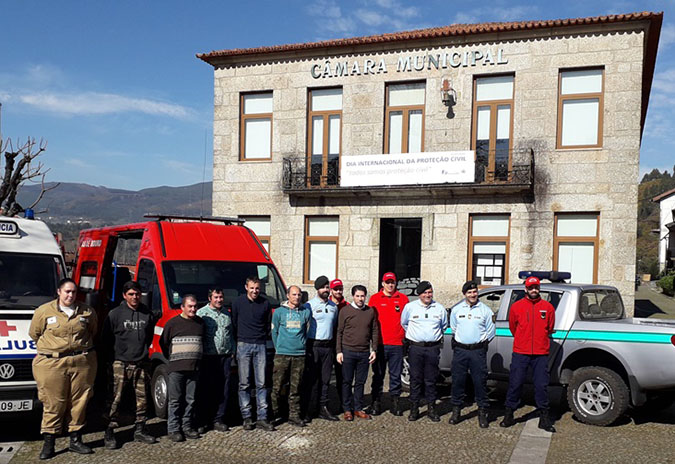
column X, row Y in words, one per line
column 21, row 167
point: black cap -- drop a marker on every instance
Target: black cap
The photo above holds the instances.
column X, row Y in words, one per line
column 468, row 286
column 423, row 287
column 320, row 282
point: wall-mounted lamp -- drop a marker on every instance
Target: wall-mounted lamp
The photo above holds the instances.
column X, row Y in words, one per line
column 448, row 96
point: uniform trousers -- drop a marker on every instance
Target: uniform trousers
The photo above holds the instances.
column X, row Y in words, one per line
column 469, row 361
column 287, row 378
column 65, row 386
column 123, row 374
column 319, row 364
column 424, row 372
column 392, row 356
column 540, row 376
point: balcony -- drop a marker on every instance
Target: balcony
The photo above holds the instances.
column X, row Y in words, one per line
column 514, row 175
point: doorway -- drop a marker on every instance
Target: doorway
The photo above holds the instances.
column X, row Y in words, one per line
column 401, row 247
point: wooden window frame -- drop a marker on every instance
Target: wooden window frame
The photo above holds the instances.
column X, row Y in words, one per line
column 501, row 238
column 406, row 109
column 308, row 241
column 242, row 125
column 595, row 240
column 494, row 106
column 580, row 96
column 261, row 237
column 326, row 140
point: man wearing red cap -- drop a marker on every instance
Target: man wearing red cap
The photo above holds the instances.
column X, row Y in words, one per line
column 388, row 304
column 531, row 321
column 337, row 293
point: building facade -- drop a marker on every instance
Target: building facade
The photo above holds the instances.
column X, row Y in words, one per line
column 446, row 154
column 666, row 203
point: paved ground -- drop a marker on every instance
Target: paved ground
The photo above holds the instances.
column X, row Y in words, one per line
column 650, row 302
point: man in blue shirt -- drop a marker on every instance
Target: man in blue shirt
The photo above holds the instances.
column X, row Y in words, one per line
column 473, row 328
column 320, row 349
column 424, row 321
column 289, row 334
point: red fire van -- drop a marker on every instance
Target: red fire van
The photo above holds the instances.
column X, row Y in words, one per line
column 170, row 256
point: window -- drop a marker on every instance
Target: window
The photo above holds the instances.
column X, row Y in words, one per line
column 404, row 123
column 600, row 304
column 256, row 126
column 492, row 127
column 553, row 297
column 147, row 279
column 488, row 248
column 321, row 247
column 492, row 300
column 324, row 129
column 580, row 103
column 261, row 226
column 575, row 246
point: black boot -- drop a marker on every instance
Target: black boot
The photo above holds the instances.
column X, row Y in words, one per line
column 376, row 407
column 109, row 440
column 76, row 444
column 545, row 421
column 456, row 415
column 508, row 420
column 48, row 447
column 324, row 413
column 483, row 420
column 414, row 412
column 142, row 435
column 396, row 406
column 432, row 413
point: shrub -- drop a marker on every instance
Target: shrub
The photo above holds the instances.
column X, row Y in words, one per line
column 667, row 283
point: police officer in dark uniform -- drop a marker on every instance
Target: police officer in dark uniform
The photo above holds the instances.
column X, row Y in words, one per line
column 472, row 328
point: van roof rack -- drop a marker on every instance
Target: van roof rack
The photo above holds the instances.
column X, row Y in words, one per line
column 170, row 217
column 553, row 276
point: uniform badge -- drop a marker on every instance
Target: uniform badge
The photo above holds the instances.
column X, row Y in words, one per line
column 469, row 316
column 542, row 314
column 51, row 320
column 398, row 308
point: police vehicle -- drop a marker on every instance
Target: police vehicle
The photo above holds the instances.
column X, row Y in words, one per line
column 31, row 264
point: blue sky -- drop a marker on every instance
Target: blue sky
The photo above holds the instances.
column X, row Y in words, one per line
column 116, row 90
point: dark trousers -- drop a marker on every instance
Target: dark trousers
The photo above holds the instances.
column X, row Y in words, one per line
column 392, row 356
column 213, row 388
column 540, row 376
column 354, row 375
column 182, row 386
column 423, row 372
column 474, row 362
column 319, row 364
column 287, row 381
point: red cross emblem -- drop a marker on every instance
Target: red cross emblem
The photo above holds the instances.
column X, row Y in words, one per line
column 5, row 328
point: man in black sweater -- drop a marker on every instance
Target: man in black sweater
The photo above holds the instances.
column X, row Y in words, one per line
column 181, row 344
column 127, row 335
column 252, row 319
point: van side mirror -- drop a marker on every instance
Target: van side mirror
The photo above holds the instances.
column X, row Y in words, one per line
column 146, row 299
column 304, row 297
column 91, row 299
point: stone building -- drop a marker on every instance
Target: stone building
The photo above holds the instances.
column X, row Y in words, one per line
column 451, row 153
column 666, row 202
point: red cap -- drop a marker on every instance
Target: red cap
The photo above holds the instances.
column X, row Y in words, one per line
column 336, row 283
column 531, row 281
column 389, row 276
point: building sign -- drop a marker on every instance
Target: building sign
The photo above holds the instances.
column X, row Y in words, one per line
column 409, row 63
column 408, row 169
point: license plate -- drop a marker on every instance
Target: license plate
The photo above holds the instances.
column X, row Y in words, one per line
column 16, row 405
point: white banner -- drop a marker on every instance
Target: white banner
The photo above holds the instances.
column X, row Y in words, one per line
column 443, row 167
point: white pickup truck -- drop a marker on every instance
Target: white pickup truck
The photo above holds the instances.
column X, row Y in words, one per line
column 31, row 265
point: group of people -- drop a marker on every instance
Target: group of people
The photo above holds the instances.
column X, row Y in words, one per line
column 310, row 341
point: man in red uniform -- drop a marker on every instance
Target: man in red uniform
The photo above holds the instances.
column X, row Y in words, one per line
column 531, row 321
column 388, row 304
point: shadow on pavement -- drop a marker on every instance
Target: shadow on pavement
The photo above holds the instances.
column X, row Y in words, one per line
column 645, row 308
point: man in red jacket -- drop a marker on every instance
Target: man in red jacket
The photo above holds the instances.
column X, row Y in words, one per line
column 531, row 321
column 388, row 304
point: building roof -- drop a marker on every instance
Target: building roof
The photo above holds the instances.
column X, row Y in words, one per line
column 663, row 196
column 217, row 57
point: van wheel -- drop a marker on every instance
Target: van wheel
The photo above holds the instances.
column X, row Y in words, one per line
column 405, row 374
column 597, row 395
column 159, row 387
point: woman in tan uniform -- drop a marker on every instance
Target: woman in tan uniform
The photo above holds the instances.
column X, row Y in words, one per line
column 65, row 365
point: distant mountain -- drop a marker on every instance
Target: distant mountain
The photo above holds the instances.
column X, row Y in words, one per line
column 108, row 206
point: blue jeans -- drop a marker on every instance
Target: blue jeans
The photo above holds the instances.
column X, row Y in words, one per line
column 354, row 364
column 391, row 355
column 252, row 356
column 540, row 377
column 475, row 362
column 182, row 386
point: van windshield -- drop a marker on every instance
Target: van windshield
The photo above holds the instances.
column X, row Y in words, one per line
column 197, row 277
column 28, row 280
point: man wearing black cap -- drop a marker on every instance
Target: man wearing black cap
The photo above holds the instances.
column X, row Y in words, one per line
column 320, row 349
column 473, row 328
column 531, row 321
column 424, row 321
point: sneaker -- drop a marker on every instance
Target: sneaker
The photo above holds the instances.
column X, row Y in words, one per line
column 176, row 437
column 192, row 434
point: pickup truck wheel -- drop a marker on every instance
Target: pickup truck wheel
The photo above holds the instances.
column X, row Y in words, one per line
column 159, row 387
column 597, row 395
column 405, row 374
